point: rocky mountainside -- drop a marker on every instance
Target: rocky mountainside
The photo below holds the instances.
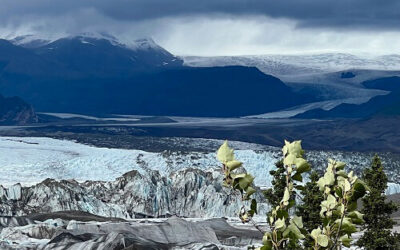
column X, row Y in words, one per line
column 75, row 230
column 187, row 193
column 93, row 215
column 14, row 111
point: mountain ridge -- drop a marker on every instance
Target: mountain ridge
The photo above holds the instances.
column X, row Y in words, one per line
column 99, row 76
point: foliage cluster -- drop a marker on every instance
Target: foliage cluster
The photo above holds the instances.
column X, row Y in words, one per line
column 377, row 211
column 337, row 192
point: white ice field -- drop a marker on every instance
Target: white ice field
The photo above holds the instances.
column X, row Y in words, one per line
column 29, row 160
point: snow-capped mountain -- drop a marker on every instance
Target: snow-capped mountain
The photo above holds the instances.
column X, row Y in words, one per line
column 29, row 41
column 99, row 74
column 106, row 55
column 35, row 41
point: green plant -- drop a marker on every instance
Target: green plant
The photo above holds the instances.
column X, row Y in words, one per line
column 310, row 208
column 377, row 211
column 282, row 232
column 278, row 183
column 338, row 209
column 274, row 196
column 238, row 181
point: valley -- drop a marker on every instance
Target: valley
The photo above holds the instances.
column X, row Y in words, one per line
column 98, row 134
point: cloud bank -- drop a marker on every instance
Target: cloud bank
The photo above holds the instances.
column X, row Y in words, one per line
column 218, row 27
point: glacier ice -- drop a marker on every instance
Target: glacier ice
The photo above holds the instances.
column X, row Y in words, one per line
column 30, row 160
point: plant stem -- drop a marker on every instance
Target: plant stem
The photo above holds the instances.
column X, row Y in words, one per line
column 340, row 226
column 257, row 226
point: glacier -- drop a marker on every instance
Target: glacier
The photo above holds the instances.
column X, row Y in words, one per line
column 30, row 160
column 300, row 64
column 63, row 181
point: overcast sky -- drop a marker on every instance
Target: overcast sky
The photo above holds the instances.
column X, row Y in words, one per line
column 218, row 27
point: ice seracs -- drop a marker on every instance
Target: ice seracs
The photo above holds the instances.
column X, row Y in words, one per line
column 30, row 160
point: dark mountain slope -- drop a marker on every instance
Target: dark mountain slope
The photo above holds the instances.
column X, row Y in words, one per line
column 15, row 60
column 14, row 111
column 101, row 76
column 220, row 91
column 387, row 83
column 217, row 91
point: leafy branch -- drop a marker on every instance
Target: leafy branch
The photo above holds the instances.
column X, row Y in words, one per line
column 338, row 209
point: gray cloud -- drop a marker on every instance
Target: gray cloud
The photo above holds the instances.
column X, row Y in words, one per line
column 328, row 13
column 217, row 27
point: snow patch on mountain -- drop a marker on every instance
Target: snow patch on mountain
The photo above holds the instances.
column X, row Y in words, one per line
column 144, row 44
column 36, row 41
column 29, row 41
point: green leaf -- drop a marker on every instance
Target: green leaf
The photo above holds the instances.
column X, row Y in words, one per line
column 253, row 205
column 297, row 177
column 359, row 190
column 289, row 160
column 356, row 217
column 347, row 226
column 232, row 165
column 293, row 148
column 267, row 246
column 315, row 233
column 302, row 165
column 280, row 224
column 286, row 233
column 346, row 240
column 292, row 203
column 320, row 238
column 266, row 238
column 342, row 173
column 286, row 195
column 352, row 206
column 245, row 181
column 323, row 240
column 283, row 214
column 321, row 183
column 340, row 165
column 250, row 191
column 298, row 221
column 329, row 178
column 251, row 213
column 339, row 192
column 225, row 153
column 238, row 176
column 331, row 201
column 296, row 232
column 267, row 242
